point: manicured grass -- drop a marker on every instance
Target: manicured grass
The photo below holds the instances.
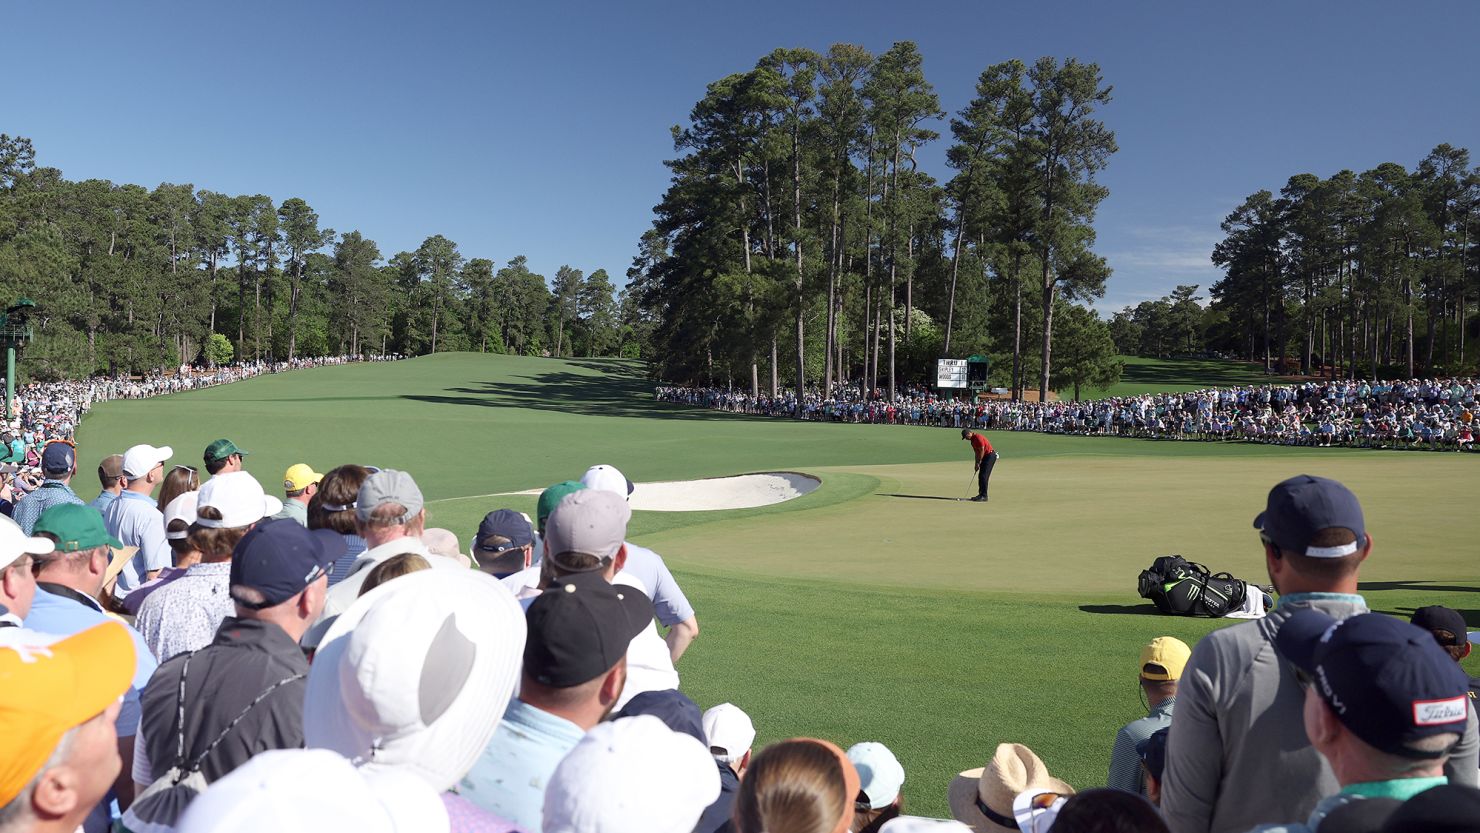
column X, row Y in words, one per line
column 1145, row 375
column 867, row 609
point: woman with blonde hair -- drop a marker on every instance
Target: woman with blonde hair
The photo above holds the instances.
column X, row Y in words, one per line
column 802, row 785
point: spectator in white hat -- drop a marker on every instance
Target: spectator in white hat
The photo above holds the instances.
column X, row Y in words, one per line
column 633, row 775
column 672, row 606
column 184, row 614
column 390, row 516
column 584, row 535
column 414, row 676
column 880, row 778
column 574, row 671
column 135, row 520
column 17, row 583
column 314, row 791
column 729, row 733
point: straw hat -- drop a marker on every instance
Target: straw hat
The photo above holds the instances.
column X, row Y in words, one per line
column 1014, row 768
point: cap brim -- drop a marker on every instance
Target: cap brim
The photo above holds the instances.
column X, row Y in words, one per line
column 1259, row 521
column 1300, row 635
column 271, row 506
column 121, row 556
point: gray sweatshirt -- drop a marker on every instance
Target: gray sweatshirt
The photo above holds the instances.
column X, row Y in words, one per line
column 1237, row 755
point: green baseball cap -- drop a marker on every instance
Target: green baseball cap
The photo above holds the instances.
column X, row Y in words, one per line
column 76, row 527
column 221, row 449
column 551, row 497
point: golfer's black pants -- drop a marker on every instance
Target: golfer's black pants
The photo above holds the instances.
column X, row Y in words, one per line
column 984, row 473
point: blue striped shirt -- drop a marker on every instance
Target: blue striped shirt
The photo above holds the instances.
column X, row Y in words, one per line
column 50, row 493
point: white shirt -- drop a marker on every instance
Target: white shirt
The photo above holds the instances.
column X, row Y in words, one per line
column 344, row 593
column 649, row 664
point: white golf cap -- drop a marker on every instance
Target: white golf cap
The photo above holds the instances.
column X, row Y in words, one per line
column 729, row 731
column 238, row 497
column 607, row 479
column 920, row 824
column 14, row 543
column 313, row 791
column 633, row 775
column 880, row 775
column 415, row 675
column 182, row 508
column 141, row 459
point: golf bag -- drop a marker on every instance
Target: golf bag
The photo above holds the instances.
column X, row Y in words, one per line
column 1179, row 587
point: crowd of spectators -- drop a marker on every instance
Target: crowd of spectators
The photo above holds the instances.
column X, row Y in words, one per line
column 1419, row 414
column 218, row 661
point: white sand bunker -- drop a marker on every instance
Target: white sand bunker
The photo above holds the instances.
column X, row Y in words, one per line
column 744, row 491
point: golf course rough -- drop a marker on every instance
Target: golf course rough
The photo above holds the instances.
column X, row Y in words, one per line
column 854, row 612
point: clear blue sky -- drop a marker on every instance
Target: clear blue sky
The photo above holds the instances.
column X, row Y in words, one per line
column 540, row 128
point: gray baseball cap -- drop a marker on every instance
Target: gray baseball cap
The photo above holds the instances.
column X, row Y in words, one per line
column 590, row 521
column 388, row 486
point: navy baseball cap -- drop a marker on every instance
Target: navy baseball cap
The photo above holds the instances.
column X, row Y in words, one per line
column 1303, row 506
column 1153, row 752
column 672, row 707
column 1387, row 681
column 505, row 524
column 58, row 458
column 280, row 558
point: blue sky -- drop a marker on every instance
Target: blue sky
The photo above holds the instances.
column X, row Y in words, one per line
column 540, row 128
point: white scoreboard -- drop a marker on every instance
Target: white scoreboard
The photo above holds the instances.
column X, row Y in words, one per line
column 950, row 373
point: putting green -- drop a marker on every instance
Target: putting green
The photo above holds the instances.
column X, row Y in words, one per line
column 868, row 609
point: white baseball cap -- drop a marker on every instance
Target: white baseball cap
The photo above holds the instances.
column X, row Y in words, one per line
column 182, row 508
column 238, row 497
column 141, row 459
column 415, row 675
column 607, row 479
column 633, row 775
column 14, row 543
column 920, row 824
column 880, row 775
column 312, row 791
column 729, row 731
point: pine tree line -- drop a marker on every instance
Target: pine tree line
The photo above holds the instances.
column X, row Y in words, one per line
column 800, row 235
column 129, row 280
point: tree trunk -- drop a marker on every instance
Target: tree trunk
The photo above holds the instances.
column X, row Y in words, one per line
column 1017, row 328
column 796, row 205
column 775, row 375
column 1050, row 283
column 955, row 269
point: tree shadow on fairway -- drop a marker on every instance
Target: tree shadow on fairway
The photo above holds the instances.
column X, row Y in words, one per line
column 622, row 392
column 1471, row 617
column 1123, row 610
column 1427, row 586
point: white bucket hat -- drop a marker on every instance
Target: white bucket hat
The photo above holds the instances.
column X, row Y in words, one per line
column 416, row 674
column 313, row 791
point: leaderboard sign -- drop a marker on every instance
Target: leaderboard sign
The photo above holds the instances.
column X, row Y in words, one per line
column 951, row 373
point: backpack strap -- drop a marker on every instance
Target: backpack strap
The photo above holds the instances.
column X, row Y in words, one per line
column 194, row 766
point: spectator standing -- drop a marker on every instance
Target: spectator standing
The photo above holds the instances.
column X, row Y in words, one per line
column 183, row 616
column 503, row 545
column 983, row 798
column 1236, row 756
column 672, row 606
column 575, row 667
column 210, row 710
column 58, row 464
column 1107, row 811
column 802, row 785
column 730, row 734
column 110, row 476
column 1384, row 706
column 17, row 583
column 1161, row 665
column 68, row 582
column 880, row 779
column 300, row 484
column 333, row 507
column 223, row 457
column 526, row 583
column 1153, row 753
column 177, row 481
column 413, row 678
column 1449, row 629
column 389, row 515
column 58, row 743
column 179, row 516
column 134, row 519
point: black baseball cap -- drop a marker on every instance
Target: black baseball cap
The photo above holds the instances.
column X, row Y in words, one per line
column 280, row 558
column 1387, row 681
column 672, row 707
column 580, row 627
column 507, row 525
column 1447, row 808
column 1441, row 618
column 1301, row 507
column 1153, row 752
column 58, row 458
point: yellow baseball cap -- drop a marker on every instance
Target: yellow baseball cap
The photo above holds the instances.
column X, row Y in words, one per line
column 1164, row 658
column 299, row 476
column 45, row 691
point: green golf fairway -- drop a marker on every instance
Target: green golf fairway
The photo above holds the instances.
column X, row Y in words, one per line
column 877, row 607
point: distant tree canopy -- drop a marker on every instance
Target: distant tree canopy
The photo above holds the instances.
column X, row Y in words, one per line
column 797, row 214
column 1375, row 273
column 130, row 280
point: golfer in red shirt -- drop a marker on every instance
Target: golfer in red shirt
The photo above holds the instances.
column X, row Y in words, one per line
column 986, row 458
